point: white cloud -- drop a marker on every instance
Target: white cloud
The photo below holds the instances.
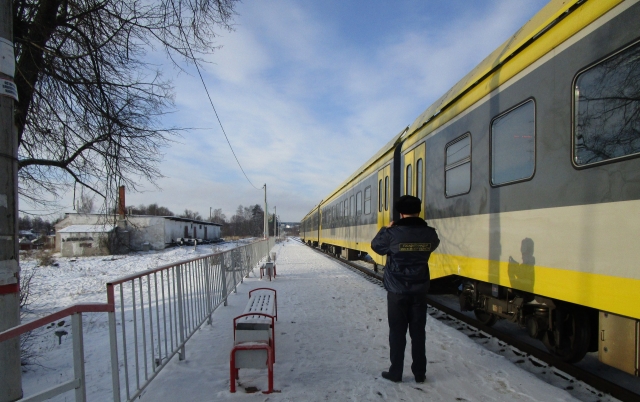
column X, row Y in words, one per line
column 304, row 105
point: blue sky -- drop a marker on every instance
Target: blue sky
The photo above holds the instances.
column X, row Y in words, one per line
column 307, row 91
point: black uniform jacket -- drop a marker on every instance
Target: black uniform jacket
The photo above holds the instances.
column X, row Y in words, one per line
column 407, row 245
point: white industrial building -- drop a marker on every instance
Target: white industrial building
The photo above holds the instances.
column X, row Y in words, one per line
column 84, row 240
column 133, row 233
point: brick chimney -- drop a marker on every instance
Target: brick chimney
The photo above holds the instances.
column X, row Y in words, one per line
column 122, row 209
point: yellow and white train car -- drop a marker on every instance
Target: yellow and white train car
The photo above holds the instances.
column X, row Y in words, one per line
column 529, row 168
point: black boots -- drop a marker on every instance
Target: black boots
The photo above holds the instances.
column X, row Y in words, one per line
column 420, row 378
column 387, row 375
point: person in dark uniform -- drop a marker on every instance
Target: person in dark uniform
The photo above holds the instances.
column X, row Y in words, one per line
column 407, row 243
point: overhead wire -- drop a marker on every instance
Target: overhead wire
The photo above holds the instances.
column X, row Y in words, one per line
column 195, row 62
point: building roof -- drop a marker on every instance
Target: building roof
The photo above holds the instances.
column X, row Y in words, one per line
column 87, row 229
column 171, row 218
column 176, row 218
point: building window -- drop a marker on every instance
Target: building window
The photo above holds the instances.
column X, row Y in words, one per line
column 457, row 171
column 606, row 124
column 380, row 196
column 409, row 181
column 367, row 200
column 359, row 203
column 419, row 173
column 513, row 144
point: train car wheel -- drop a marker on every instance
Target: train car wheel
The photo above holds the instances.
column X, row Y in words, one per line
column 570, row 339
column 487, row 319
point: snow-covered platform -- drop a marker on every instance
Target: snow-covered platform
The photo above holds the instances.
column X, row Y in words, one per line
column 332, row 345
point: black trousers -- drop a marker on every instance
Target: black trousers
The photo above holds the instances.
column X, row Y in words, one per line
column 407, row 311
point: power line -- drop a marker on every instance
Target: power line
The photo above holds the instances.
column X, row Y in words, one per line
column 195, row 62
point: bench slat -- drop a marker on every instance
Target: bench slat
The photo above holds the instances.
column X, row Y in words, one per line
column 259, row 303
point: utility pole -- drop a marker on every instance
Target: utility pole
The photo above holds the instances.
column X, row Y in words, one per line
column 10, row 373
column 275, row 211
column 266, row 212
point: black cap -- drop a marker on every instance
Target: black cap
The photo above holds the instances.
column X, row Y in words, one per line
column 408, row 205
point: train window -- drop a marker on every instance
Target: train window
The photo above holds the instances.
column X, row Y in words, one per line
column 606, row 107
column 352, row 206
column 380, row 196
column 367, row 200
column 346, row 207
column 513, row 144
column 419, row 178
column 457, row 171
column 386, row 193
column 409, row 180
column 359, row 203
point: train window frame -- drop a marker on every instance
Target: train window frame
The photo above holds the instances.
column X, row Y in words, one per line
column 419, row 178
column 352, row 206
column 367, row 200
column 387, row 191
column 408, row 182
column 574, row 111
column 359, row 203
column 461, row 162
column 535, row 142
column 380, row 196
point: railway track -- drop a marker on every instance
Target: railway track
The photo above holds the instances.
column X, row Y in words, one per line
column 543, row 364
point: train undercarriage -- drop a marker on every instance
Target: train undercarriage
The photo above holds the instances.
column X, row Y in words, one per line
column 567, row 330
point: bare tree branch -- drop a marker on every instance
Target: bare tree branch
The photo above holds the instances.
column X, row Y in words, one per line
column 90, row 106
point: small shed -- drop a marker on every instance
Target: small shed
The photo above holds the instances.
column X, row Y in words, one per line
column 85, row 240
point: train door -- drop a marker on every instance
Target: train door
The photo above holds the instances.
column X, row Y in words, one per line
column 413, row 174
column 319, row 227
column 384, row 196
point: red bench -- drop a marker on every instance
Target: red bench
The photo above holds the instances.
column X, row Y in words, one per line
column 254, row 336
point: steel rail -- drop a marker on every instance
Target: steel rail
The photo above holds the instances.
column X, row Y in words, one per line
column 53, row 317
column 601, row 384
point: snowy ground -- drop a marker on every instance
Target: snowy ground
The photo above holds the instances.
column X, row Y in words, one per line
column 82, row 280
column 331, row 344
column 331, row 340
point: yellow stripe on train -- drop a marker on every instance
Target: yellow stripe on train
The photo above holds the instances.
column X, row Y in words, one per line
column 608, row 293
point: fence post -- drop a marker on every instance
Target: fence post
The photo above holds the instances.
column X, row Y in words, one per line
column 180, row 312
column 78, row 357
column 247, row 259
column 224, row 278
column 113, row 344
column 207, row 284
column 233, row 267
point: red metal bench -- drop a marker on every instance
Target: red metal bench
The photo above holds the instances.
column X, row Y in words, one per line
column 254, row 336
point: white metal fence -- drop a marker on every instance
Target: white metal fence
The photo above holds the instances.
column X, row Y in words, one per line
column 152, row 315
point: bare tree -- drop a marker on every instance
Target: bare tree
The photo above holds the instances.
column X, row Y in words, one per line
column 151, row 209
column 191, row 215
column 85, row 204
column 247, row 221
column 218, row 217
column 89, row 104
